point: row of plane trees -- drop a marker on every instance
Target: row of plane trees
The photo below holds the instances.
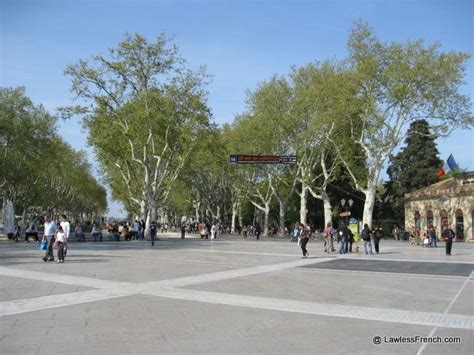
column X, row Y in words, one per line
column 39, row 171
column 160, row 150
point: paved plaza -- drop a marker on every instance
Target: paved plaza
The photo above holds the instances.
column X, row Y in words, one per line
column 235, row 296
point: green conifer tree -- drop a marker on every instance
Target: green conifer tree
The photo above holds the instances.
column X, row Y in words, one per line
column 413, row 168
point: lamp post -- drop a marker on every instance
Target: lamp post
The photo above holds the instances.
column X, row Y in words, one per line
column 347, row 205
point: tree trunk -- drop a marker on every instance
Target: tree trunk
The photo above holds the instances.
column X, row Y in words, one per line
column 143, row 209
column 327, row 208
column 370, row 193
column 266, row 219
column 239, row 213
column 368, row 207
column 281, row 229
column 235, row 208
column 196, row 208
column 303, row 200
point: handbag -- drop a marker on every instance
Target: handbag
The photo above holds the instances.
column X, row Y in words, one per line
column 43, row 245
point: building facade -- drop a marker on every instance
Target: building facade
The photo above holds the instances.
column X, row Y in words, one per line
column 447, row 202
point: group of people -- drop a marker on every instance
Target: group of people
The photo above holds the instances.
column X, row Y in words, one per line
column 28, row 230
column 345, row 237
column 429, row 239
column 125, row 230
column 56, row 234
column 207, row 230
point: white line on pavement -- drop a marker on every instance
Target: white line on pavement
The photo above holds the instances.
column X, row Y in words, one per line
column 423, row 346
column 330, row 310
column 230, row 274
column 61, row 278
column 8, row 308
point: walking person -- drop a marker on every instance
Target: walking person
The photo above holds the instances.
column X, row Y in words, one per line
column 78, row 232
column 142, row 229
column 432, row 236
column 343, row 234
column 303, row 239
column 202, row 230
column 137, row 230
column 365, row 235
column 328, row 238
column 258, row 230
column 448, row 236
column 153, row 229
column 183, row 231
column 378, row 234
column 213, row 231
column 350, row 240
column 49, row 236
column 60, row 241
column 66, row 226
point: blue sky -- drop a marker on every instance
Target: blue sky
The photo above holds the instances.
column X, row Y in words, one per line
column 240, row 43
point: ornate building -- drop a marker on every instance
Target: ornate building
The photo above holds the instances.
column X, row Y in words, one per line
column 447, row 202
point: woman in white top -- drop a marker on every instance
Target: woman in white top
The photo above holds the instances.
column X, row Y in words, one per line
column 66, row 229
column 213, row 231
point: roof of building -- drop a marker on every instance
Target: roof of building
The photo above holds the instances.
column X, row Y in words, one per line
column 462, row 185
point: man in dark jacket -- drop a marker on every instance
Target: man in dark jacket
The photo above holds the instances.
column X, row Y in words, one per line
column 153, row 230
column 378, row 234
column 448, row 236
column 365, row 235
column 257, row 231
column 343, row 234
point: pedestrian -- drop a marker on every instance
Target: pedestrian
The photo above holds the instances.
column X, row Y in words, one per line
column 328, row 238
column 213, row 231
column 343, row 234
column 153, row 229
column 183, row 231
column 125, row 232
column 448, row 236
column 60, row 242
column 432, row 236
column 378, row 234
column 49, row 236
column 258, row 230
column 66, row 226
column 142, row 229
column 365, row 235
column 137, row 229
column 350, row 240
column 303, row 239
column 78, row 231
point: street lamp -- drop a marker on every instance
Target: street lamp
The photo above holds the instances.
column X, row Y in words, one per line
column 347, row 205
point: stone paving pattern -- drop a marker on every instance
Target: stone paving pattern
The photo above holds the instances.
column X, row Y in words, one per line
column 233, row 296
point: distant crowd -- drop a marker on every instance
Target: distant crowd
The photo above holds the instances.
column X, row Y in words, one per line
column 299, row 232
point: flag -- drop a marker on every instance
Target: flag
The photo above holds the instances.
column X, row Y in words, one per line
column 449, row 165
column 451, row 162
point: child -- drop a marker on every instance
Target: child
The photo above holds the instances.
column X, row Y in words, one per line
column 60, row 241
column 426, row 241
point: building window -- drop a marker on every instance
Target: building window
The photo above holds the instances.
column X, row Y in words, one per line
column 459, row 224
column 417, row 220
column 429, row 218
column 444, row 220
